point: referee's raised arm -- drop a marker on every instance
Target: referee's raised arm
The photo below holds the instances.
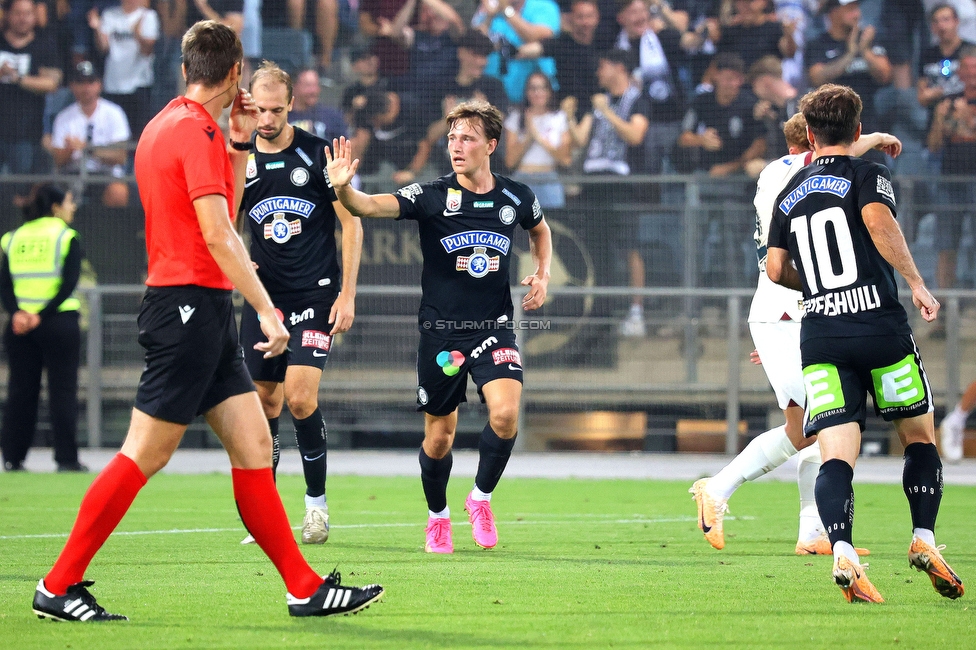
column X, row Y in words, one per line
column 341, row 169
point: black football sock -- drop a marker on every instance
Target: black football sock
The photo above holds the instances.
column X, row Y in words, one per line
column 493, row 455
column 835, row 500
column 922, row 480
column 312, row 439
column 275, row 447
column 434, row 475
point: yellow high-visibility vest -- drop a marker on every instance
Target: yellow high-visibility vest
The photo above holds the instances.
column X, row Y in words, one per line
column 35, row 253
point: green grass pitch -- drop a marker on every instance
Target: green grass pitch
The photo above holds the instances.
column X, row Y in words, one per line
column 580, row 564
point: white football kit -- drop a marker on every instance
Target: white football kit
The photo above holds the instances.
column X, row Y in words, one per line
column 774, row 317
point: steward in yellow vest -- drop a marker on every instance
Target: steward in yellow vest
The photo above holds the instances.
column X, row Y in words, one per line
column 39, row 272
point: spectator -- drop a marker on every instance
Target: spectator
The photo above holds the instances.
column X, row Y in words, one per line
column 655, row 49
column 28, row 71
column 777, row 103
column 613, row 134
column 510, row 24
column 720, row 132
column 386, row 131
column 433, row 52
column 39, row 272
column 753, row 31
column 92, row 121
column 309, row 114
column 902, row 22
column 127, row 34
column 574, row 52
column 537, row 142
column 365, row 66
column 379, row 20
column 797, row 12
column 167, row 75
column 324, row 15
column 965, row 9
column 699, row 40
column 849, row 55
column 938, row 66
column 227, row 12
column 953, row 133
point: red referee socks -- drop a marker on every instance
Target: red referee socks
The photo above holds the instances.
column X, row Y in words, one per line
column 265, row 518
column 105, row 503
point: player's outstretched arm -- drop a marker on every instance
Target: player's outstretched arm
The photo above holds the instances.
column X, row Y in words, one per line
column 881, row 141
column 890, row 242
column 540, row 247
column 228, row 251
column 780, row 269
column 344, row 308
column 341, row 169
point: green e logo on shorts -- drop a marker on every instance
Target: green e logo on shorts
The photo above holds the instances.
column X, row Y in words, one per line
column 899, row 384
column 824, row 391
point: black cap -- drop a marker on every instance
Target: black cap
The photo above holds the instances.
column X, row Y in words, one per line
column 622, row 57
column 84, row 72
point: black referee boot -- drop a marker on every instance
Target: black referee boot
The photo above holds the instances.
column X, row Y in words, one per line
column 331, row 599
column 76, row 605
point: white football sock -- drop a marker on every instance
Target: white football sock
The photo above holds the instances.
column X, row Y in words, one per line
column 957, row 416
column 843, row 549
column 314, row 502
column 925, row 535
column 478, row 495
column 765, row 453
column 443, row 514
column 807, row 470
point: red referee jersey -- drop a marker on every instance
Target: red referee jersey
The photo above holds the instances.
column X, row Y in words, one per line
column 180, row 157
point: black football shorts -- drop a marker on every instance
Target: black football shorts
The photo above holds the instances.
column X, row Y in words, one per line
column 443, row 366
column 193, row 358
column 307, row 318
column 839, row 372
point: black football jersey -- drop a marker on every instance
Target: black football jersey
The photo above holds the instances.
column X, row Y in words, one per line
column 288, row 208
column 849, row 289
column 466, row 240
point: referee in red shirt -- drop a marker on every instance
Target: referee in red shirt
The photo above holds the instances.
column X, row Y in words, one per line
column 191, row 183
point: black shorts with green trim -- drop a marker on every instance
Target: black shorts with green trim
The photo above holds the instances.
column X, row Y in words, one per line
column 839, row 372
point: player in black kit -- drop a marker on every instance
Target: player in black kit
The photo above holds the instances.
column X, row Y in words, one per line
column 291, row 212
column 466, row 222
column 835, row 221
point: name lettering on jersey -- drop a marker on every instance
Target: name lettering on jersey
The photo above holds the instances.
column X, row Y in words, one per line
column 453, row 243
column 484, row 204
column 487, row 343
column 303, row 156
column 885, row 189
column 281, row 230
column 285, row 204
column 850, row 301
column 316, row 339
column 295, row 319
column 299, row 176
column 252, row 167
column 453, row 202
column 816, row 184
column 410, row 192
column 514, row 198
column 507, row 215
column 277, row 164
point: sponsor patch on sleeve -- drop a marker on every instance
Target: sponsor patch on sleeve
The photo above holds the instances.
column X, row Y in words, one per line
column 411, row 192
column 506, row 355
column 316, row 339
column 886, row 189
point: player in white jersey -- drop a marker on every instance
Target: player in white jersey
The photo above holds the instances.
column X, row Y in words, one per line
column 774, row 322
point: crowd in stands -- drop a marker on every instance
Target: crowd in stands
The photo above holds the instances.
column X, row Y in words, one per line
column 607, row 87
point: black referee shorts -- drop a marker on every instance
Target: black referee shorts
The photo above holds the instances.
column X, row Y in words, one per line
column 443, row 366
column 193, row 358
column 307, row 318
column 839, row 372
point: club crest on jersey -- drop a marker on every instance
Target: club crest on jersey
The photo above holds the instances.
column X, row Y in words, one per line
column 453, row 202
column 507, row 215
column 252, row 167
column 478, row 264
column 299, row 176
column 283, row 204
column 280, row 230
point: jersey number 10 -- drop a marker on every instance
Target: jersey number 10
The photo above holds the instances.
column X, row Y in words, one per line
column 813, row 230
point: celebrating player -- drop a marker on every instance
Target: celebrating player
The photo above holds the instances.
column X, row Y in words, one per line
column 190, row 190
column 466, row 222
column 291, row 212
column 835, row 222
column 774, row 321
